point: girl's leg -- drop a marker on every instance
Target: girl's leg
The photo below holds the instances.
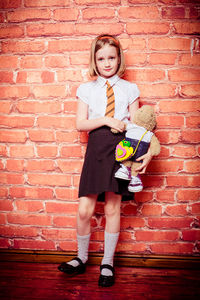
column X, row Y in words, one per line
column 112, row 214
column 84, row 215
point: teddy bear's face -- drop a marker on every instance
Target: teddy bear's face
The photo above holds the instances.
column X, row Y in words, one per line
column 145, row 117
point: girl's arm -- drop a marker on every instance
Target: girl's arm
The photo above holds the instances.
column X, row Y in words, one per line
column 148, row 156
column 82, row 122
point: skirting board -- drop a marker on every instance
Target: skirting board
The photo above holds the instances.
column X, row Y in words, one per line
column 126, row 260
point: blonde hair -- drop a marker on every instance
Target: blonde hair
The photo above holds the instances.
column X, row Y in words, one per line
column 99, row 42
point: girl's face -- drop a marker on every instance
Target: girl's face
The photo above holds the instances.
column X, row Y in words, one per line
column 107, row 61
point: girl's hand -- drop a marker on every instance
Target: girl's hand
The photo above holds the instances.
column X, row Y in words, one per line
column 146, row 160
column 115, row 124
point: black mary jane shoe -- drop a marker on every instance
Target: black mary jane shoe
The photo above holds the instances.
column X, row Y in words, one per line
column 106, row 281
column 69, row 269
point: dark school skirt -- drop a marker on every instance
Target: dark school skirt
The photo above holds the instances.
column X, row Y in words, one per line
column 99, row 166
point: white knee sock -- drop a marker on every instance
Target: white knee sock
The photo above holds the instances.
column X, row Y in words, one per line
column 83, row 245
column 110, row 244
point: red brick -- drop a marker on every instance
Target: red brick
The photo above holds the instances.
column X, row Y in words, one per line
column 70, row 107
column 190, row 90
column 3, row 220
column 133, row 58
column 10, row 4
column 112, row 28
column 149, row 75
column 6, row 77
column 151, row 210
column 59, row 234
column 187, row 28
column 31, row 62
column 192, row 122
column 173, row 12
column 150, row 235
column 80, row 59
column 69, row 137
column 169, row 44
column 33, row 3
column 29, row 206
column 170, row 121
column 12, row 136
column 168, row 196
column 68, row 246
column 61, row 46
column 185, row 195
column 162, row 58
column 192, row 166
column 64, row 221
column 53, row 29
column 56, row 207
column 176, row 248
column 8, row 61
column 5, row 107
column 23, row 46
column 183, row 106
column 18, row 231
column 36, row 107
column 56, row 122
column 11, row 178
column 92, row 2
column 184, row 151
column 15, row 121
column 11, row 32
column 183, row 181
column 190, row 136
column 168, row 137
column 153, row 181
column 170, row 222
column 98, row 13
column 72, row 166
column 56, row 61
column 15, row 165
column 69, row 75
column 47, row 151
column 188, row 60
column 133, row 43
column 147, row 28
column 3, row 149
column 49, row 179
column 143, row 196
column 31, row 192
column 165, row 166
column 66, row 194
column 195, row 208
column 22, row 15
column 14, row 92
column 133, row 248
column 139, row 12
column 6, row 205
column 130, row 209
column 3, row 192
column 51, row 91
column 186, row 74
column 41, row 135
column 22, row 151
column 158, row 90
column 176, row 210
column 40, row 165
column 191, row 235
column 132, row 222
column 71, row 151
column 66, row 14
column 34, row 244
column 29, row 219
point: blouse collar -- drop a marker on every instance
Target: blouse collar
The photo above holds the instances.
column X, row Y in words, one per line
column 112, row 80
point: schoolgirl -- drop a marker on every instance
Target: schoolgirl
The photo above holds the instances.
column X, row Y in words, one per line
column 104, row 103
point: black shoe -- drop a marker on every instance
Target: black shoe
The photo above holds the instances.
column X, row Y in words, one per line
column 69, row 269
column 106, row 281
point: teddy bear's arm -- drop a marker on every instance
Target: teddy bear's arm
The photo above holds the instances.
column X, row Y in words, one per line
column 154, row 146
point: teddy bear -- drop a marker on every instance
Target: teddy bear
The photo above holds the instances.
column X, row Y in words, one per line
column 138, row 138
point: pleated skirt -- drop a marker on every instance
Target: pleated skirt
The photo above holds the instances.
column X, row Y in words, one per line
column 99, row 166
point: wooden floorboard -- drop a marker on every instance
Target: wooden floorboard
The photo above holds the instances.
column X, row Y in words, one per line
column 20, row 280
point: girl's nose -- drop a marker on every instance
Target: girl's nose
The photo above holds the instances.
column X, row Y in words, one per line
column 107, row 63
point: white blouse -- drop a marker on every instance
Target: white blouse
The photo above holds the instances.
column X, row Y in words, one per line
column 93, row 93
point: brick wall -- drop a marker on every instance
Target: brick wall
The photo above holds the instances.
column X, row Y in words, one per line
column 44, row 55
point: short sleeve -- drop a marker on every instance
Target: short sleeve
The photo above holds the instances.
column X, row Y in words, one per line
column 83, row 92
column 134, row 93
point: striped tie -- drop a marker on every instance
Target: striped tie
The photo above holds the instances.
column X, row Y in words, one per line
column 110, row 108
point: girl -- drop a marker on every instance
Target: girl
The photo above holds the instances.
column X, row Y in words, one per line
column 105, row 103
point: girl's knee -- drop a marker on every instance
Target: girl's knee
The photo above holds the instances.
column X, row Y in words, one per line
column 86, row 208
column 113, row 206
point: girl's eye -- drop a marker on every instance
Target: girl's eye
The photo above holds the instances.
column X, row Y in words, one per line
column 100, row 58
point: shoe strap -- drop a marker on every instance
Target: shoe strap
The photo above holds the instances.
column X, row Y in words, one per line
column 78, row 260
column 106, row 266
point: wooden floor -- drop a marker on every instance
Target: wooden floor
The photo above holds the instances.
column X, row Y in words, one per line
column 42, row 281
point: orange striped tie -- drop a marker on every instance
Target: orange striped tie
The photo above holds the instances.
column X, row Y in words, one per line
column 110, row 108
